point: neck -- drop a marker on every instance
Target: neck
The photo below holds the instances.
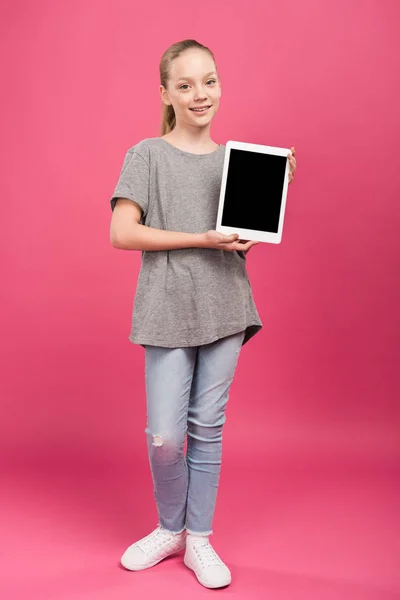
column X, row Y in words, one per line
column 195, row 137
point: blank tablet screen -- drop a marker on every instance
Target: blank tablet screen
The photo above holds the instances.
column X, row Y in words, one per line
column 253, row 193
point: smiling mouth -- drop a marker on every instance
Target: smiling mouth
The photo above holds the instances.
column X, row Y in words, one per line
column 200, row 109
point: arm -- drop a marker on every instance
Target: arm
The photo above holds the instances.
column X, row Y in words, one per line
column 126, row 233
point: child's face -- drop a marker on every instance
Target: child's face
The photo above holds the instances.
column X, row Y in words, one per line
column 193, row 83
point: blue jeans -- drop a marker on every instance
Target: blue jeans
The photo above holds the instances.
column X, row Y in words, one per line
column 187, row 391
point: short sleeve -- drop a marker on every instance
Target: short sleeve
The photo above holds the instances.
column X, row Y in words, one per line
column 133, row 182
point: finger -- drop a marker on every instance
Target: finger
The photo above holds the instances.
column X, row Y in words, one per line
column 247, row 246
column 292, row 162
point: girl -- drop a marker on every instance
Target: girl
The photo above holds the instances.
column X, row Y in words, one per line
column 193, row 307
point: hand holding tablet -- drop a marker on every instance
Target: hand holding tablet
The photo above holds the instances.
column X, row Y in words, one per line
column 220, row 241
column 253, row 191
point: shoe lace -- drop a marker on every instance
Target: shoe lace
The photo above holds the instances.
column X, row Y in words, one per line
column 207, row 555
column 154, row 540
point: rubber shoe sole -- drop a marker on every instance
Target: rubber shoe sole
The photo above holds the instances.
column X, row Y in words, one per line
column 224, row 583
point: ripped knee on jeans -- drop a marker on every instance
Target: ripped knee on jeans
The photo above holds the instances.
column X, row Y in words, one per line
column 163, row 449
column 158, row 441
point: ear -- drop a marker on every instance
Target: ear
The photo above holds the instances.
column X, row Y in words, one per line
column 164, row 96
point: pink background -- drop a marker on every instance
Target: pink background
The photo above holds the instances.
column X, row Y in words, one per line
column 311, row 452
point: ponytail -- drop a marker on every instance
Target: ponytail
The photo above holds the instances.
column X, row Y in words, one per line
column 168, row 120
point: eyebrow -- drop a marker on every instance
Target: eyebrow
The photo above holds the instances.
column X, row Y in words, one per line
column 189, row 78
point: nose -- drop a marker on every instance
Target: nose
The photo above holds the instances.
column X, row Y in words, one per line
column 200, row 93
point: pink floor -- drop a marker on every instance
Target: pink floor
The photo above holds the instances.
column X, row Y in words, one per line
column 287, row 533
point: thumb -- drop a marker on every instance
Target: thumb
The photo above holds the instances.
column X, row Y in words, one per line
column 232, row 237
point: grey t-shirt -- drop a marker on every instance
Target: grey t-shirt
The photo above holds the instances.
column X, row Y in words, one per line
column 192, row 296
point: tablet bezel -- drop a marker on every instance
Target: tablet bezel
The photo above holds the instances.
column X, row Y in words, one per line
column 251, row 234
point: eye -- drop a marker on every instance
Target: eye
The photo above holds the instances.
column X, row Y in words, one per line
column 185, row 86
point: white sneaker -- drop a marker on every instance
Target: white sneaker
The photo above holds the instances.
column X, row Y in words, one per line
column 209, row 569
column 153, row 548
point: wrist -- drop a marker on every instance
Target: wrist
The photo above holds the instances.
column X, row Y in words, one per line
column 200, row 240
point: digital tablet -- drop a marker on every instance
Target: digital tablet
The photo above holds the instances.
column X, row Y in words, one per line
column 253, row 192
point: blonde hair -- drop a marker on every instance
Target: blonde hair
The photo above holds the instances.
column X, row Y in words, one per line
column 168, row 120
